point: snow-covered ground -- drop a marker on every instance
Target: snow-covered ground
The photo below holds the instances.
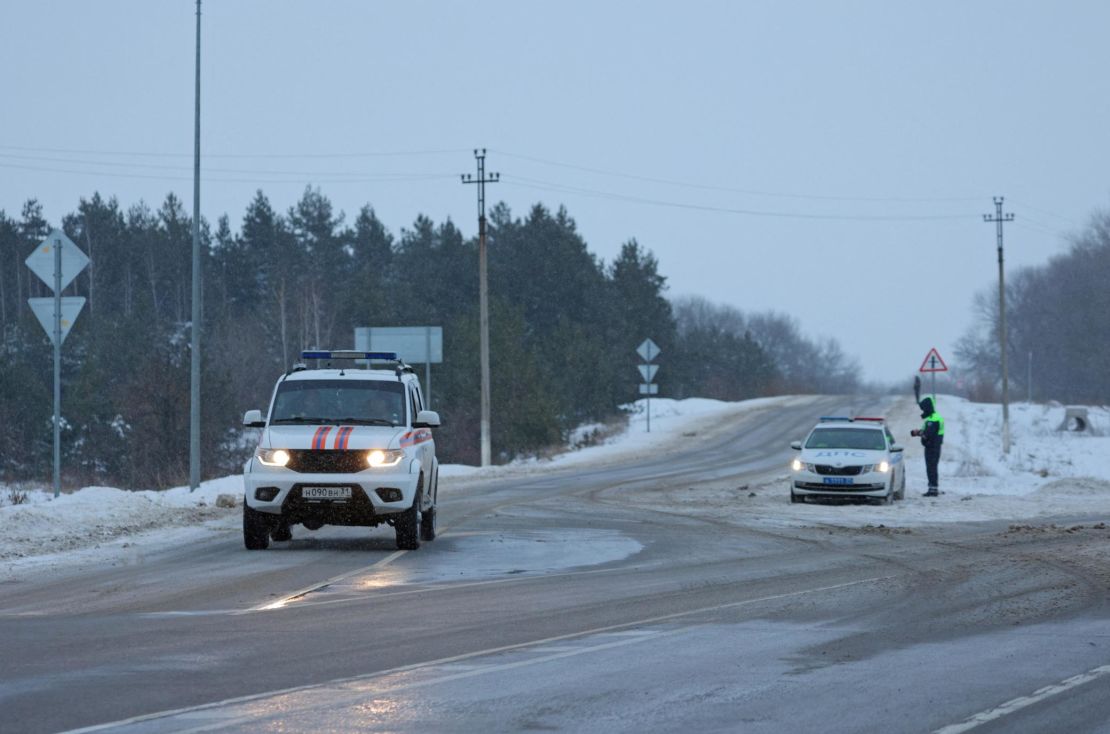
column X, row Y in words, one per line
column 1048, row 473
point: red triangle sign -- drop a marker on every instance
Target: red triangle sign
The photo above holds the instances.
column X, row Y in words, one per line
column 933, row 362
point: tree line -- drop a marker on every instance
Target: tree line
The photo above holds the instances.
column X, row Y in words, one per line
column 1057, row 332
column 564, row 327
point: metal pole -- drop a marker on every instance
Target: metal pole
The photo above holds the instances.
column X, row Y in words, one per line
column 194, row 373
column 483, row 308
column 1029, row 380
column 428, row 363
column 57, row 367
column 649, row 408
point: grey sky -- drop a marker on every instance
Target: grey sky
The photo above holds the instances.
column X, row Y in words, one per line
column 718, row 131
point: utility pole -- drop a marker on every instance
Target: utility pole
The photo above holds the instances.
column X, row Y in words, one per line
column 194, row 371
column 999, row 218
column 483, row 292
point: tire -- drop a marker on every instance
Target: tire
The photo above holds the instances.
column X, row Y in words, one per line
column 428, row 524
column 888, row 498
column 256, row 529
column 407, row 525
column 901, row 494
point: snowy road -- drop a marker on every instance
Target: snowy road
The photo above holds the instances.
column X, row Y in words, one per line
column 588, row 598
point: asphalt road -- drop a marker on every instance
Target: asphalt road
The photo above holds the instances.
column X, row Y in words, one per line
column 557, row 602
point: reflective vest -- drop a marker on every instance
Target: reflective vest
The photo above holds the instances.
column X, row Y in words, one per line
column 934, row 418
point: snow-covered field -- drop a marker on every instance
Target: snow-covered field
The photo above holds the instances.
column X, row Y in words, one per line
column 1048, row 473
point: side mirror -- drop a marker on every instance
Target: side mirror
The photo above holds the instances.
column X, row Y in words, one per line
column 796, row 445
column 897, row 447
column 253, row 419
column 426, row 419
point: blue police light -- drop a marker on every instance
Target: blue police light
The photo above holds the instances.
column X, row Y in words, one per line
column 834, row 418
column 347, row 354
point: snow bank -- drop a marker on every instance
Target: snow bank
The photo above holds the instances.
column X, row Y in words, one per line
column 1048, row 473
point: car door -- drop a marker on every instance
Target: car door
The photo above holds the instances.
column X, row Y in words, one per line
column 426, row 449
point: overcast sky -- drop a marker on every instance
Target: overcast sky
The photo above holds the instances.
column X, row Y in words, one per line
column 830, row 160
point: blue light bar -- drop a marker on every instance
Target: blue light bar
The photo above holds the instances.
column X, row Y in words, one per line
column 347, row 354
column 834, row 418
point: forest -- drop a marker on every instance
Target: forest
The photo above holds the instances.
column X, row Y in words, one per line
column 564, row 326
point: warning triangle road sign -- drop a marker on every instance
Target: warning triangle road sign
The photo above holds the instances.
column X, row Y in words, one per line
column 933, row 362
column 43, row 309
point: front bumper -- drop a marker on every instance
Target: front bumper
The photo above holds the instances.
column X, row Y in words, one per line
column 871, row 484
column 373, row 492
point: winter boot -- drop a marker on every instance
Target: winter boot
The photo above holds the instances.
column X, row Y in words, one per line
column 932, row 492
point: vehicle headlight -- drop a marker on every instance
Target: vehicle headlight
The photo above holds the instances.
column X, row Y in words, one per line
column 796, row 465
column 384, row 457
column 882, row 466
column 273, row 457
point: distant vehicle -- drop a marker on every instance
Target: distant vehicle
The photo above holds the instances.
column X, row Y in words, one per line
column 848, row 457
column 343, row 446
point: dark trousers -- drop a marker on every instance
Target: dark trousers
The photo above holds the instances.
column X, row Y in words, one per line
column 932, row 458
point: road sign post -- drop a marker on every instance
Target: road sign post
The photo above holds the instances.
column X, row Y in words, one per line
column 648, row 351
column 57, row 261
column 414, row 344
column 933, row 364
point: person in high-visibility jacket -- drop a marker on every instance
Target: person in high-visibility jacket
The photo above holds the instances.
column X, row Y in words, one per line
column 932, row 437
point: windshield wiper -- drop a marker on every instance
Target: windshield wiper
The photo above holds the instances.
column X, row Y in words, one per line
column 298, row 419
column 366, row 421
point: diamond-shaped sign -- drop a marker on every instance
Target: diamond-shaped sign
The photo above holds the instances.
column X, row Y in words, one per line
column 41, row 261
column 647, row 371
column 43, row 309
column 648, row 350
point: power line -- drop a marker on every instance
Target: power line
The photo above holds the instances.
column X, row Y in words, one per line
column 730, row 189
column 549, row 186
column 158, row 154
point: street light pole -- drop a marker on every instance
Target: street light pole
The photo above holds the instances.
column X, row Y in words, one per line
column 999, row 218
column 194, row 371
column 483, row 295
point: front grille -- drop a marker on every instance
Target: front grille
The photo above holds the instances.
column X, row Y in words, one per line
column 326, row 462
column 837, row 471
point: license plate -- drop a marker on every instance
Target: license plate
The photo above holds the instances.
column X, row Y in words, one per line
column 326, row 493
column 836, row 480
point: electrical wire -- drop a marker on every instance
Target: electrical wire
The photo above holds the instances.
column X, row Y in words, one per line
column 730, row 189
column 560, row 188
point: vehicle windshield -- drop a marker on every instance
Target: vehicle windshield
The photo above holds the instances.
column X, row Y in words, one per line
column 351, row 402
column 847, row 438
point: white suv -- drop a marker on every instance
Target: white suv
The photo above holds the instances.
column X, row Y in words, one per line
column 848, row 457
column 343, row 446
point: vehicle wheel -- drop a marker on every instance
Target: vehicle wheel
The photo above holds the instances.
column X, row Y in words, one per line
column 888, row 498
column 901, row 495
column 797, row 498
column 428, row 524
column 256, row 529
column 407, row 526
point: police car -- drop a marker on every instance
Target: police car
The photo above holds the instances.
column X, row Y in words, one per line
column 848, row 457
column 343, row 446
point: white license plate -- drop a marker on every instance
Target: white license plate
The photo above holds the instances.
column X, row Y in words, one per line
column 326, row 493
